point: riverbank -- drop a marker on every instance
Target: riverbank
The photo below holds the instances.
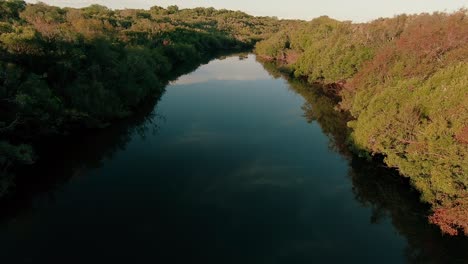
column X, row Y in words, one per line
column 231, row 152
column 65, row 70
column 403, row 80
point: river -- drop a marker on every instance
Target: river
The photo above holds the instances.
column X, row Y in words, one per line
column 234, row 164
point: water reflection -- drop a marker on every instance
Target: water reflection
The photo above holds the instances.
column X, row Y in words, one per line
column 221, row 172
column 66, row 158
column 389, row 195
column 223, row 69
column 71, row 156
column 374, row 186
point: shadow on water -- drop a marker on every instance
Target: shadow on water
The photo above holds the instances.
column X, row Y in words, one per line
column 375, row 186
column 62, row 158
column 68, row 157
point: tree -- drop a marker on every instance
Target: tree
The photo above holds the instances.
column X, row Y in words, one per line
column 10, row 9
column 173, row 9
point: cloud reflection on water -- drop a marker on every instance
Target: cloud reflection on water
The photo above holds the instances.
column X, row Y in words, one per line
column 225, row 70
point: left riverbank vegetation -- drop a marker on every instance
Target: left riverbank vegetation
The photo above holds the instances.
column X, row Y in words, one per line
column 65, row 69
column 404, row 81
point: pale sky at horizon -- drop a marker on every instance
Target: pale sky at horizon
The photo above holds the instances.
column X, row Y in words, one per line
column 355, row 10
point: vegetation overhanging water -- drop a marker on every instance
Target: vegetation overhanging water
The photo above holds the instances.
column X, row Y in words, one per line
column 65, row 69
column 210, row 171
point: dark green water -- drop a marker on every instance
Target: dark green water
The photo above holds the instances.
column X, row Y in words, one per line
column 233, row 165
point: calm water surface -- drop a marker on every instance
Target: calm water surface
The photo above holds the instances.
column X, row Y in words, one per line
column 233, row 165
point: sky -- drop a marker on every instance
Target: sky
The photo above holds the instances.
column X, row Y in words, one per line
column 355, row 10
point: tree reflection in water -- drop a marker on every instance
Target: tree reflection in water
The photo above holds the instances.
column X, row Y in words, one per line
column 375, row 186
column 63, row 158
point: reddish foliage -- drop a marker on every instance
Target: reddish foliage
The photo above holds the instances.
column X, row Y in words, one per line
column 283, row 57
column 376, row 68
column 452, row 220
column 462, row 136
column 433, row 35
column 334, row 89
column 426, row 43
column 292, row 56
column 429, row 38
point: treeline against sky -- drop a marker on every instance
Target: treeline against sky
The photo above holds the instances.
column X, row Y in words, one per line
column 404, row 80
column 63, row 69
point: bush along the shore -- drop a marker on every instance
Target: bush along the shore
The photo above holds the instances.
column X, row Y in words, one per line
column 404, row 80
column 65, row 69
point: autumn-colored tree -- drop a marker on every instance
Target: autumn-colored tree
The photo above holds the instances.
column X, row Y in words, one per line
column 404, row 81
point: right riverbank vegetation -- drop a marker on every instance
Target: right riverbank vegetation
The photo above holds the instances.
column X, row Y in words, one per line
column 377, row 187
column 404, row 81
column 401, row 82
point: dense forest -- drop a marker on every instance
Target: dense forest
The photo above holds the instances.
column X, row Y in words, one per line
column 378, row 187
column 404, row 83
column 65, row 69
